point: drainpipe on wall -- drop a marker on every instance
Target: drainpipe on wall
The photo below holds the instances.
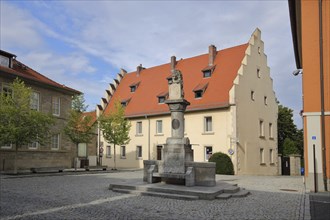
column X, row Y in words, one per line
column 322, row 98
column 148, row 136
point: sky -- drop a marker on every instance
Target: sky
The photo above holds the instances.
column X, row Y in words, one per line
column 83, row 44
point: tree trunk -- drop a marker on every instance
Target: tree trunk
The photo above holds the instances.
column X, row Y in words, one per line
column 114, row 157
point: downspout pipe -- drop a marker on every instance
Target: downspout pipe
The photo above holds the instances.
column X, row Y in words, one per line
column 322, row 98
column 146, row 117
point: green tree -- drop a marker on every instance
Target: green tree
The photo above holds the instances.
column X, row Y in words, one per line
column 286, row 126
column 223, row 163
column 79, row 126
column 290, row 147
column 115, row 128
column 19, row 124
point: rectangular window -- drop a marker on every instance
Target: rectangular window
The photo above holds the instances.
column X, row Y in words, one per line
column 133, row 88
column 139, row 127
column 208, row 152
column 271, row 131
column 7, row 90
column 207, row 73
column 265, row 100
column 35, row 98
column 55, row 142
column 139, row 151
column 208, row 124
column 262, row 156
column 159, row 127
column 159, row 152
column 56, row 102
column 252, row 95
column 82, row 150
column 258, row 73
column 123, row 152
column 6, row 146
column 161, row 99
column 108, row 151
column 198, row 94
column 271, row 156
column 261, row 128
column 33, row 145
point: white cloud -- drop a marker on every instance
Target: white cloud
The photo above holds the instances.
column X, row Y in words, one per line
column 127, row 33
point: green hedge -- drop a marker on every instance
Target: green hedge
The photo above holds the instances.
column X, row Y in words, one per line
column 224, row 165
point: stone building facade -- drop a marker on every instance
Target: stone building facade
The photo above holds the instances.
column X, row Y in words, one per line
column 233, row 109
column 49, row 97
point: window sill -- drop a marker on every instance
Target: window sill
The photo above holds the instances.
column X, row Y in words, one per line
column 271, row 138
column 208, row 133
column 272, row 164
column 262, row 137
column 159, row 134
column 121, row 157
column 138, row 135
column 108, row 156
column 262, row 164
column 139, row 158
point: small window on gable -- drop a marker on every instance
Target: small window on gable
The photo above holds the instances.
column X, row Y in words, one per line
column 265, row 100
column 258, row 73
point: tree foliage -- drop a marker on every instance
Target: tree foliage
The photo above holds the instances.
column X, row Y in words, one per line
column 288, row 130
column 19, row 124
column 115, row 127
column 290, row 147
column 79, row 125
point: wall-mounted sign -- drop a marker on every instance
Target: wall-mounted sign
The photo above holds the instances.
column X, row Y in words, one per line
column 313, row 137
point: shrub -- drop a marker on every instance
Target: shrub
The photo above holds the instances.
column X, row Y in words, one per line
column 224, row 165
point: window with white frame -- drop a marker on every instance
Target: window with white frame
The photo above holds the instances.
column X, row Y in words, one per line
column 159, row 127
column 271, row 136
column 261, row 128
column 6, row 146
column 55, row 141
column 208, row 124
column 265, row 100
column 139, row 152
column 82, row 150
column 108, row 151
column 262, row 156
column 208, row 152
column 139, row 127
column 7, row 90
column 123, row 152
column 271, row 156
column 56, row 103
column 33, row 145
column 35, row 99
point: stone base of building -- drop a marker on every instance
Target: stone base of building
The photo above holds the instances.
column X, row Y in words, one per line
column 310, row 183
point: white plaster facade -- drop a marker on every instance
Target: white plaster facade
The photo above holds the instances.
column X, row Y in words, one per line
column 235, row 128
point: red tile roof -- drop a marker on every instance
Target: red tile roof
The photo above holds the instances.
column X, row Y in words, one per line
column 153, row 81
column 22, row 71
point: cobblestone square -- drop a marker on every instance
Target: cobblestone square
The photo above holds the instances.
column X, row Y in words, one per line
column 86, row 196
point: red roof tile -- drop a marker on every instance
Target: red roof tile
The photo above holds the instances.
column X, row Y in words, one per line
column 21, row 70
column 153, row 81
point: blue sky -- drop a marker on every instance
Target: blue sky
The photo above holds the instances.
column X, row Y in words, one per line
column 83, row 44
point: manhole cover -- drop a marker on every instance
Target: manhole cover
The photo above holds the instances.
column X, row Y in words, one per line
column 289, row 190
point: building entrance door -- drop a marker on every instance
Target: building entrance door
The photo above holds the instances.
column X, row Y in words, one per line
column 159, row 152
column 286, row 166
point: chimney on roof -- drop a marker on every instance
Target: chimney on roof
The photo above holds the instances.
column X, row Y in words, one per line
column 173, row 63
column 212, row 54
column 139, row 69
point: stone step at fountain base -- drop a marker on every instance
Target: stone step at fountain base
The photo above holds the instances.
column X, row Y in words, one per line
column 220, row 191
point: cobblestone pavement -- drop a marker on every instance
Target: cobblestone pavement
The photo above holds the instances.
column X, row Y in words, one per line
column 86, row 196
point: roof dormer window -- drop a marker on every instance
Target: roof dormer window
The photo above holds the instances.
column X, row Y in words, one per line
column 125, row 102
column 134, row 86
column 207, row 71
column 162, row 97
column 198, row 94
column 169, row 79
column 200, row 90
